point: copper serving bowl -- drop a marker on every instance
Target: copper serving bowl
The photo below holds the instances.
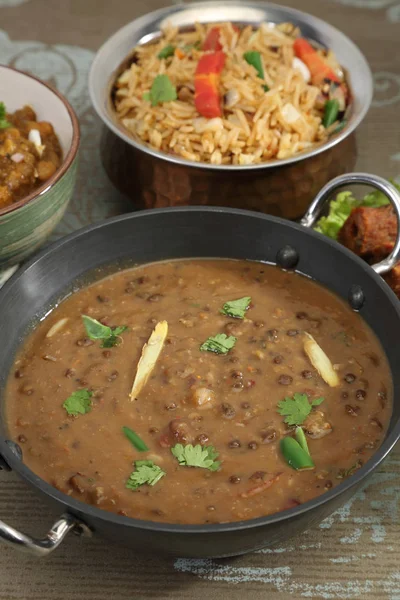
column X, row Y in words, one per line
column 152, row 178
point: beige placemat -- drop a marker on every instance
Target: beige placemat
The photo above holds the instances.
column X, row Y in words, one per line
column 352, row 555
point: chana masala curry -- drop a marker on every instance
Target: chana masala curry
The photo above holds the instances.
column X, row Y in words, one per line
column 30, row 153
column 199, row 391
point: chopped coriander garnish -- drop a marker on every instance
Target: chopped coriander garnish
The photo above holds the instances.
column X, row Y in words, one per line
column 236, row 308
column 135, row 439
column 344, row 473
column 297, row 409
column 253, row 58
column 3, row 117
column 188, row 47
column 301, row 439
column 97, row 331
column 146, row 472
column 166, row 52
column 295, row 455
column 196, row 456
column 78, row 403
column 220, row 343
column 162, row 90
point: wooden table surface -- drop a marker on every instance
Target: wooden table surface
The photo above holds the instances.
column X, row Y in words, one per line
column 352, row 554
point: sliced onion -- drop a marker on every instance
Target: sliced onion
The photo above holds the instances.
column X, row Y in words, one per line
column 320, row 361
column 231, row 98
column 34, row 137
column 57, row 327
column 17, row 157
column 150, row 353
column 298, row 65
column 290, row 113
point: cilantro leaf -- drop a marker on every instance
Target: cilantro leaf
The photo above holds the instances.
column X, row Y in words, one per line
column 188, row 47
column 3, row 117
column 166, row 52
column 296, row 409
column 341, row 207
column 146, row 472
column 78, row 403
column 196, row 456
column 236, row 308
column 344, row 473
column 97, row 331
column 220, row 343
column 162, row 90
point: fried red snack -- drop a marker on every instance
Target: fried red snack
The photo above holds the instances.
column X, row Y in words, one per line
column 370, row 232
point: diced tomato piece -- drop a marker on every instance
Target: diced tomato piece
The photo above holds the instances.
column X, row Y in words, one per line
column 319, row 69
column 206, row 82
column 211, row 63
column 206, row 97
column 212, row 40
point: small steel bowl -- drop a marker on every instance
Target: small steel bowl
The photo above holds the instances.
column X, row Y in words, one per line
column 281, row 187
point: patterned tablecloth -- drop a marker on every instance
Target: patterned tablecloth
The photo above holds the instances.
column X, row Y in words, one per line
column 354, row 553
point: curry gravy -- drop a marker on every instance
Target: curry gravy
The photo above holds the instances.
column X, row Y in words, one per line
column 228, row 401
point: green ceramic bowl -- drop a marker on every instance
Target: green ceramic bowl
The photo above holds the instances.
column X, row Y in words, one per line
column 25, row 225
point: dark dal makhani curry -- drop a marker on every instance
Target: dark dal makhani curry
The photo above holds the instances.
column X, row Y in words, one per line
column 199, row 391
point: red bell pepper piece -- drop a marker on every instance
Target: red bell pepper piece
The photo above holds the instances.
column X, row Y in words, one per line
column 319, row 69
column 212, row 40
column 206, row 81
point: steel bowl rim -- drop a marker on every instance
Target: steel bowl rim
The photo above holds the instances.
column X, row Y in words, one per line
column 68, row 159
column 318, row 23
column 81, row 508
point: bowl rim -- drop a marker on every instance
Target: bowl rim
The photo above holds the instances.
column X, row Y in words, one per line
column 318, row 24
column 68, row 159
column 83, row 510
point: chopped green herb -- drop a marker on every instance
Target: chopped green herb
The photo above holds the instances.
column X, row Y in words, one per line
column 197, row 456
column 166, row 52
column 295, row 455
column 331, row 112
column 297, row 409
column 301, row 439
column 114, row 338
column 146, row 472
column 188, row 47
column 236, row 308
column 146, row 96
column 3, row 117
column 135, row 439
column 195, row 305
column 341, row 126
column 253, row 58
column 220, row 344
column 344, row 473
column 162, row 90
column 78, row 403
column 97, row 331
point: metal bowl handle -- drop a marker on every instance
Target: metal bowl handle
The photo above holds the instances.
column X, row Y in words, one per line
column 66, row 523
column 374, row 181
